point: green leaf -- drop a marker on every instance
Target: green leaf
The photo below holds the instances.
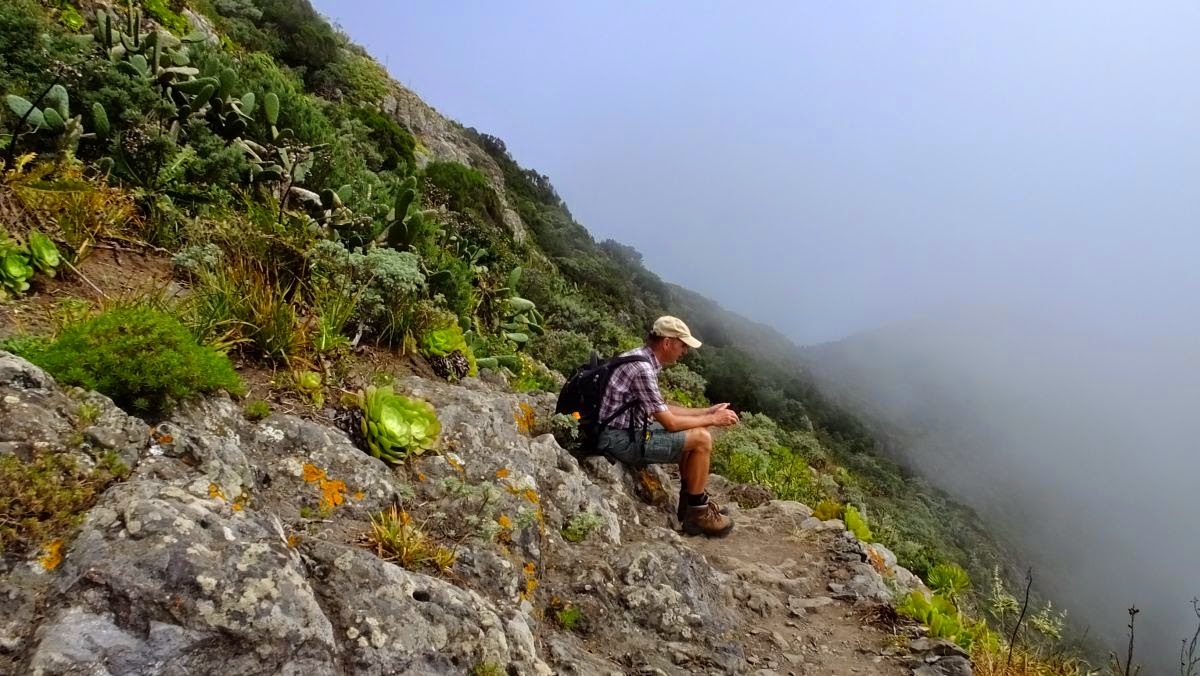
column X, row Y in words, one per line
column 271, row 106
column 100, row 121
column 24, row 109
column 53, row 121
column 58, row 99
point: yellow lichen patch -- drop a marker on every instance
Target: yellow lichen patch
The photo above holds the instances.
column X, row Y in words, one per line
column 215, row 492
column 313, row 473
column 502, row 473
column 420, row 477
column 453, row 462
column 504, row 521
column 879, row 564
column 525, row 418
column 358, row 496
column 531, row 495
column 237, row 506
column 531, row 582
column 332, row 493
column 51, row 554
column 292, row 541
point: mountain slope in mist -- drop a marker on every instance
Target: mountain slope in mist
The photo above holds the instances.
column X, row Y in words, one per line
column 1080, row 451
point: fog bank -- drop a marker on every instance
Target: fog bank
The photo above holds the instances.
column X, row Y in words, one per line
column 1079, row 446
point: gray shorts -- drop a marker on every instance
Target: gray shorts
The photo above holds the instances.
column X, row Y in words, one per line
column 660, row 447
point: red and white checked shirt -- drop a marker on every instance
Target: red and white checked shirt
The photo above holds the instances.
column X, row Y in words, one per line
column 635, row 380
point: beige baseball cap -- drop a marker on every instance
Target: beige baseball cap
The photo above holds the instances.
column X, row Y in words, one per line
column 673, row 327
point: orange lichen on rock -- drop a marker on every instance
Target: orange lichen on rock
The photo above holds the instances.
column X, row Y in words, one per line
column 525, row 417
column 332, row 493
column 51, row 554
column 214, row 491
column 313, row 473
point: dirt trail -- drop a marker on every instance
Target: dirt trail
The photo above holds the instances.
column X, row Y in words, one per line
column 833, row 637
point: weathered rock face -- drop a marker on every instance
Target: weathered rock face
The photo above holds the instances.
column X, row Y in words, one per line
column 236, row 547
column 447, row 141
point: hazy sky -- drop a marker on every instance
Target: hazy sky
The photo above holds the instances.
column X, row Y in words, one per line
column 827, row 167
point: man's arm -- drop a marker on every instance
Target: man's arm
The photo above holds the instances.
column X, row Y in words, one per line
column 684, row 411
column 673, row 422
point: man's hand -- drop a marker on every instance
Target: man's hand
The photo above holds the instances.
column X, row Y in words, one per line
column 723, row 417
column 716, row 407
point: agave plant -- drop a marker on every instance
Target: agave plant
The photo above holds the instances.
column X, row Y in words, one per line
column 396, row 426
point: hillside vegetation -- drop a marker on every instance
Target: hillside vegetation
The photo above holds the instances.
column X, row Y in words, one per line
column 315, row 218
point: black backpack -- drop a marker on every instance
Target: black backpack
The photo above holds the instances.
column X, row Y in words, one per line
column 583, row 394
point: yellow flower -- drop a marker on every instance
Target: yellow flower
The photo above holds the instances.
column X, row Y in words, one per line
column 576, row 415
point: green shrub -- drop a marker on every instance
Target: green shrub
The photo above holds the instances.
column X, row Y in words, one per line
column 683, row 386
column 948, row 579
column 162, row 13
column 143, row 359
column 465, row 189
column 563, row 351
column 393, row 142
column 389, row 284
column 580, row 526
column 855, row 523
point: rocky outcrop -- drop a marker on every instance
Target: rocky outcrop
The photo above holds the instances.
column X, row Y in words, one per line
column 447, row 141
column 237, row 547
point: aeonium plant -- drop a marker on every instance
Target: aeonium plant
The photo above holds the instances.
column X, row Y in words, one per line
column 396, row 426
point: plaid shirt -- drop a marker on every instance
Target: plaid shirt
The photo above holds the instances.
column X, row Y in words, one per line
column 636, row 380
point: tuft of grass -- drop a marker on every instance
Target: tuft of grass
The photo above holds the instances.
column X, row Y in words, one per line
column 395, row 538
column 569, row 618
column 143, row 359
column 256, row 409
column 240, row 303
column 42, row 500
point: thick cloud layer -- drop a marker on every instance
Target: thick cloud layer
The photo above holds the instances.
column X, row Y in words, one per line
column 1082, row 450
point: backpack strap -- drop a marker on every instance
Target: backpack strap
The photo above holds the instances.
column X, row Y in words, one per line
column 616, row 363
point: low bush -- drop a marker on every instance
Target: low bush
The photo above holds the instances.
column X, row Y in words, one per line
column 563, row 351
column 143, row 359
column 465, row 189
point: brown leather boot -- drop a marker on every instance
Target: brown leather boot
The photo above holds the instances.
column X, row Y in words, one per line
column 706, row 519
column 681, row 507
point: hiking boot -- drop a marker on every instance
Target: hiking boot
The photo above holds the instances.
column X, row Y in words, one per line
column 706, row 519
column 683, row 505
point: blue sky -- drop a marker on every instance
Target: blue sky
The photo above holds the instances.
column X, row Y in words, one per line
column 829, row 167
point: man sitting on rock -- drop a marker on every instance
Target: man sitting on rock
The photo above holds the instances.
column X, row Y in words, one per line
column 653, row 431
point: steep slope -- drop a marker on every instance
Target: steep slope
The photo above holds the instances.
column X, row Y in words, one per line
column 239, row 547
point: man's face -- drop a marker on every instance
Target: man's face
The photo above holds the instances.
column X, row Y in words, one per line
column 676, row 348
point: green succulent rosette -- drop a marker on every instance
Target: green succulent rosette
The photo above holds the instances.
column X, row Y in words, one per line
column 396, row 426
column 43, row 254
